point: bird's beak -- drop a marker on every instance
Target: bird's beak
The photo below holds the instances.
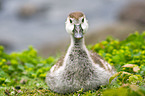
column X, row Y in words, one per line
column 78, row 31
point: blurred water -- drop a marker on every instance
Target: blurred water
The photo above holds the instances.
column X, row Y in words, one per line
column 48, row 26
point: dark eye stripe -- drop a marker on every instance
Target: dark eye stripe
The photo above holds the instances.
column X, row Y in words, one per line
column 70, row 20
column 83, row 20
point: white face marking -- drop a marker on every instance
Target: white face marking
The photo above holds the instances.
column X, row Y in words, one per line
column 70, row 22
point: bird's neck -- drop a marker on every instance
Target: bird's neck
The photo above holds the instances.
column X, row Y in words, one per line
column 77, row 56
column 77, row 43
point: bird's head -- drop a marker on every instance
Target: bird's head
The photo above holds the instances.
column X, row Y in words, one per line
column 76, row 24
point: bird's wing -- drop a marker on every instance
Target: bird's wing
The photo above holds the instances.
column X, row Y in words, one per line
column 97, row 59
column 58, row 64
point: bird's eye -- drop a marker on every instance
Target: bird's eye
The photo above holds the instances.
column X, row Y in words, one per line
column 83, row 20
column 70, row 20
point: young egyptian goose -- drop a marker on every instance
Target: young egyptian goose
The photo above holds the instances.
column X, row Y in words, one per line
column 79, row 68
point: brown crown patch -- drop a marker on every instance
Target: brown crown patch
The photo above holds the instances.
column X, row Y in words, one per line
column 76, row 15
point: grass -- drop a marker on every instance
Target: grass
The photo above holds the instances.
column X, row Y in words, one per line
column 23, row 73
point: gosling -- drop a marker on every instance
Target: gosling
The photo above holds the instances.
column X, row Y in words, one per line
column 79, row 68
